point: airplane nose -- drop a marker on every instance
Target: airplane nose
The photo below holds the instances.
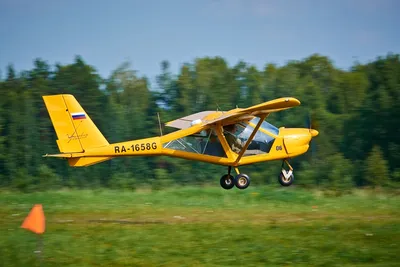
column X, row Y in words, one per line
column 297, row 140
column 314, row 132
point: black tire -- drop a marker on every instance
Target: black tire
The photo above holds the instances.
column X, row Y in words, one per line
column 285, row 181
column 227, row 182
column 242, row 181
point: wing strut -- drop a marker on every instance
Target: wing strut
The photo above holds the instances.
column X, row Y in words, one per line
column 262, row 117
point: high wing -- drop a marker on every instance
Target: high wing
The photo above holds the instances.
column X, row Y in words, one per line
column 273, row 106
column 185, row 122
column 261, row 109
column 210, row 117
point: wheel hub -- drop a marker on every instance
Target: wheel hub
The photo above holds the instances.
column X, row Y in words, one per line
column 227, row 181
column 242, row 181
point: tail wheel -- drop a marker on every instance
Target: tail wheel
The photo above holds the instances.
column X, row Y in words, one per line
column 227, row 181
column 242, row 181
column 286, row 180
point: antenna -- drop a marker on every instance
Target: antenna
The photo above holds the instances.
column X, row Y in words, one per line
column 159, row 123
column 218, row 107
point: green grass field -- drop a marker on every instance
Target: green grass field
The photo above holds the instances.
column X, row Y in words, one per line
column 203, row 226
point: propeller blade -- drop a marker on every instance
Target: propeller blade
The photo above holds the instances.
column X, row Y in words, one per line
column 308, row 120
column 311, row 125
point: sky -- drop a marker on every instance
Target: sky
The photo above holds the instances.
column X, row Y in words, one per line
column 107, row 33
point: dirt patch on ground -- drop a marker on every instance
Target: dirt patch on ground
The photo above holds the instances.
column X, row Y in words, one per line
column 225, row 218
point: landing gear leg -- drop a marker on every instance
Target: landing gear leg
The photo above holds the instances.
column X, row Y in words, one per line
column 286, row 178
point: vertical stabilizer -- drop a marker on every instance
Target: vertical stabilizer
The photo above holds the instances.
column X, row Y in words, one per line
column 74, row 128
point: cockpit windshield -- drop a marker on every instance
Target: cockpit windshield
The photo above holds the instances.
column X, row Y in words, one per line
column 263, row 138
column 266, row 126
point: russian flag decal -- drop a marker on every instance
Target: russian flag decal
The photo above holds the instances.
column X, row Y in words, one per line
column 78, row 116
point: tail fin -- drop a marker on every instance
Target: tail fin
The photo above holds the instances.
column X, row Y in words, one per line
column 75, row 130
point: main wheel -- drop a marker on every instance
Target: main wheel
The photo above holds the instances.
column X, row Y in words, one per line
column 242, row 181
column 285, row 181
column 227, row 181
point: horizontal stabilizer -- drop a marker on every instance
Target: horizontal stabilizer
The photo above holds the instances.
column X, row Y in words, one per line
column 64, row 155
column 78, row 161
column 86, row 161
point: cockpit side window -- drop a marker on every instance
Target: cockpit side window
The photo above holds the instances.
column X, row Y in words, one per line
column 205, row 142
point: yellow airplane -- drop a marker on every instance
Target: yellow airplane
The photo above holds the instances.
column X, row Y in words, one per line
column 233, row 138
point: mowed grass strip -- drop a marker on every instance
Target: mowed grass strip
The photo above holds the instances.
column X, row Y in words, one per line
column 197, row 226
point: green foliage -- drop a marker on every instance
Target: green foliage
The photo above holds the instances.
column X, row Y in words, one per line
column 124, row 181
column 376, row 169
column 355, row 111
column 334, row 172
column 47, row 178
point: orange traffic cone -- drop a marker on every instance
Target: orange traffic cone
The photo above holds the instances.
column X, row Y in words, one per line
column 35, row 221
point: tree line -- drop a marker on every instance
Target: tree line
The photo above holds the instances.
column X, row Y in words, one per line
column 355, row 111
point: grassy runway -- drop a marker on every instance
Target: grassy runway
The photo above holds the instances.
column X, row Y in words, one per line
column 203, row 226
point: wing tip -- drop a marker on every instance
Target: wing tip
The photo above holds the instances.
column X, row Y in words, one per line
column 292, row 100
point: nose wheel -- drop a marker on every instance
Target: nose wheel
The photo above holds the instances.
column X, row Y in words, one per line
column 241, row 181
column 286, row 178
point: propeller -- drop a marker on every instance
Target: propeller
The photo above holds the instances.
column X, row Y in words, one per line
column 312, row 126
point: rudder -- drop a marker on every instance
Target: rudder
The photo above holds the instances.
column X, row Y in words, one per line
column 74, row 128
